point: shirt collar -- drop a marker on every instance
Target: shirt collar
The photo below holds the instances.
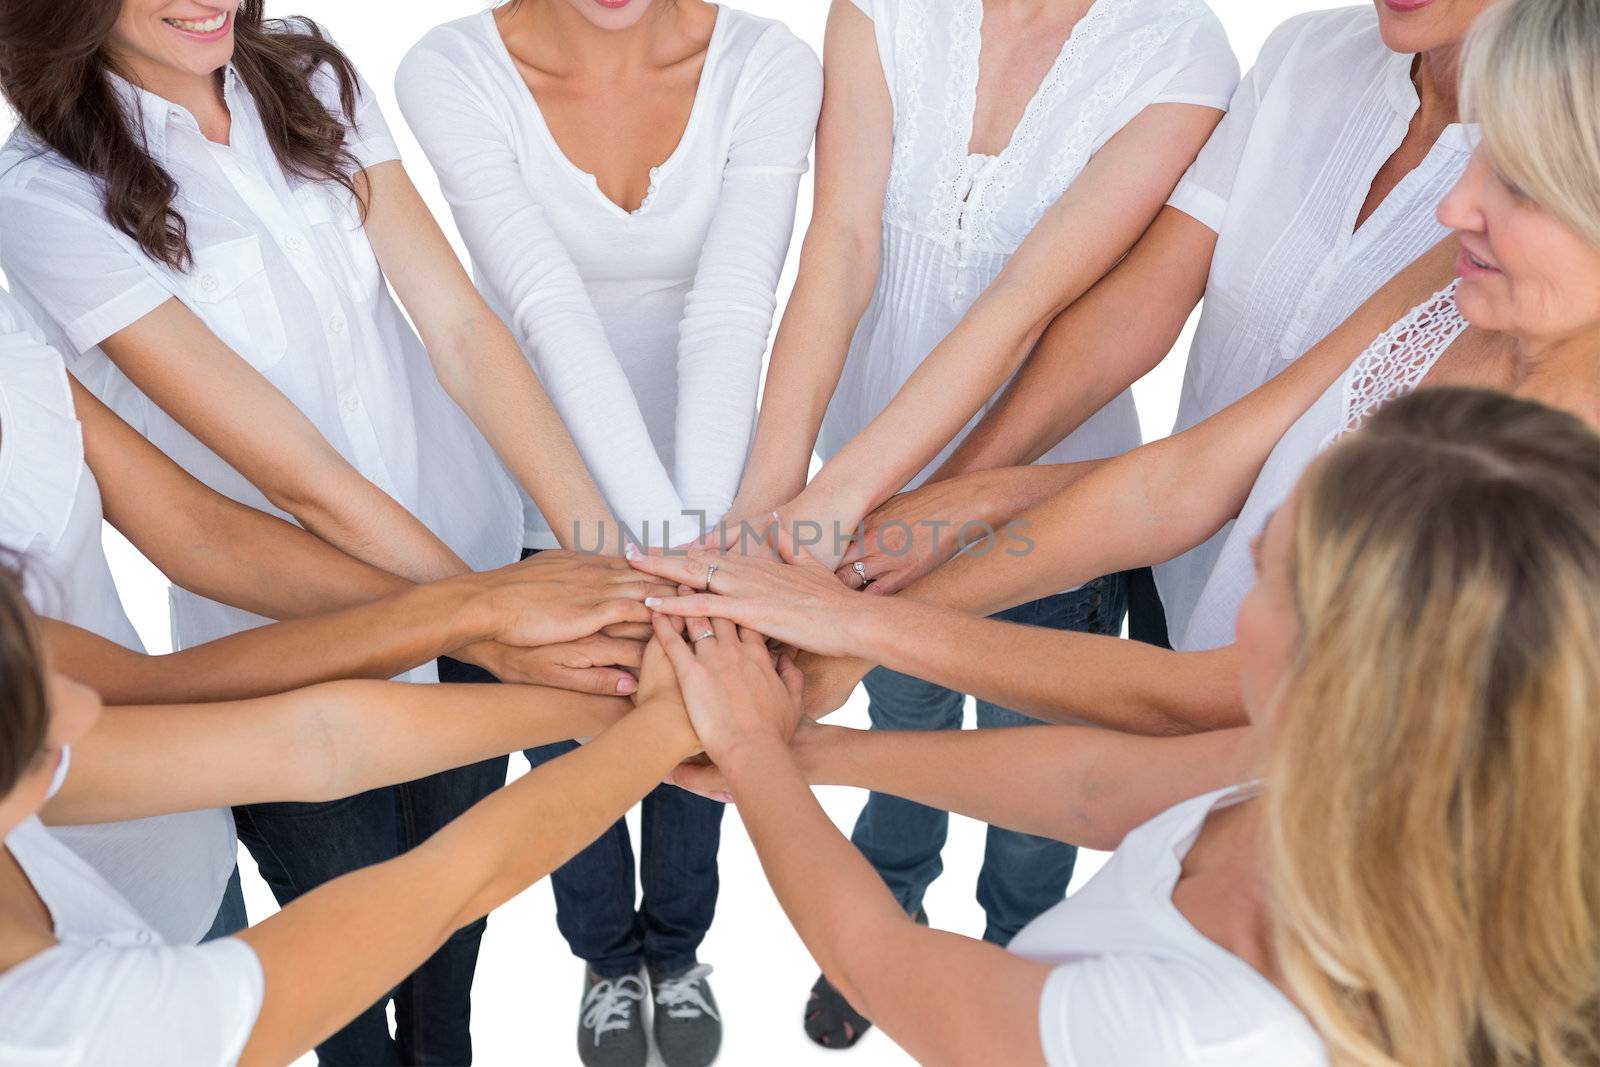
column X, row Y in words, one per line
column 1402, row 93
column 156, row 114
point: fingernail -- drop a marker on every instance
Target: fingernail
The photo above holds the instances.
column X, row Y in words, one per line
column 626, row 685
column 652, row 602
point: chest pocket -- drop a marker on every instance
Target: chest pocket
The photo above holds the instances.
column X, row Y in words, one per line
column 230, row 291
column 341, row 240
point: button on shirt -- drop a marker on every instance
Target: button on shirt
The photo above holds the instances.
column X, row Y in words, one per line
column 284, row 275
column 1282, row 181
column 173, row 868
column 952, row 219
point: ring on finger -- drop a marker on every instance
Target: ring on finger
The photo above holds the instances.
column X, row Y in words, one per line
column 861, row 572
column 711, row 572
column 701, row 637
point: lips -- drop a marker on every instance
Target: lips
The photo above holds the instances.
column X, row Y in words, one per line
column 1470, row 265
column 1405, row 7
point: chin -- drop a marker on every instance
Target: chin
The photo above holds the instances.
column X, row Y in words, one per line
column 1480, row 306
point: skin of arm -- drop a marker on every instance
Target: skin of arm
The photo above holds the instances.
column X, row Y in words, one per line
column 946, row 999
column 475, row 356
column 1099, row 217
column 320, row 743
column 212, row 545
column 189, row 373
column 839, row 263
column 339, row 947
column 1069, row 677
column 1097, row 348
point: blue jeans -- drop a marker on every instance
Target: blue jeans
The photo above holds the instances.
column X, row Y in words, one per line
column 1022, row 875
column 231, row 916
column 595, row 898
column 300, row 846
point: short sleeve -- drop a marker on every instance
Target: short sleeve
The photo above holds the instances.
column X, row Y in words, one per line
column 1205, row 190
column 369, row 139
column 1142, row 1011
column 79, row 1006
column 1208, row 71
column 72, row 264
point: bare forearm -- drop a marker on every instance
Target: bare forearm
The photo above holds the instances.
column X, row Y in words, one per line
column 1078, row 784
column 376, row 640
column 401, row 911
column 838, row 270
column 485, row 372
column 358, row 518
column 1071, row 677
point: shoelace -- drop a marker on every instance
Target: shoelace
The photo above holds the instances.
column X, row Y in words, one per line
column 681, row 997
column 609, row 1004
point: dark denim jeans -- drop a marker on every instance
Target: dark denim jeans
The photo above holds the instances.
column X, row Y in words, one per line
column 1147, row 616
column 597, row 907
column 1022, row 875
column 300, row 846
column 231, row 916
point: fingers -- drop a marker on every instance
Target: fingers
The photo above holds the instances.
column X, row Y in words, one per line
column 677, row 649
column 676, row 568
column 603, row 681
column 698, row 627
column 702, row 779
column 794, row 679
column 855, row 574
column 629, row 631
column 610, row 651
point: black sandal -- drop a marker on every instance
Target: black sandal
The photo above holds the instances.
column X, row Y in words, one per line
column 830, row 1021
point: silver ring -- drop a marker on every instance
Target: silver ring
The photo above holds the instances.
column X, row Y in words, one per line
column 710, row 573
column 861, row 572
column 701, row 637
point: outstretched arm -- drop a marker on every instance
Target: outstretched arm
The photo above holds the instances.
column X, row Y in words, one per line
column 339, row 947
column 321, row 743
column 1067, row 677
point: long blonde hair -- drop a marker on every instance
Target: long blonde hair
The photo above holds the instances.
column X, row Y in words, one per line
column 1433, row 813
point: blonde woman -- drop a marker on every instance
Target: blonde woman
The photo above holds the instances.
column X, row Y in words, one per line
column 1394, row 866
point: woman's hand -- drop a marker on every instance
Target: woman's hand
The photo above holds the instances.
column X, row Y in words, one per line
column 595, row 664
column 800, row 603
column 559, row 596
column 914, row 532
column 736, row 696
column 829, row 682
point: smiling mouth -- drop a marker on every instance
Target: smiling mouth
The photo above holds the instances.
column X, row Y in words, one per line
column 210, row 25
column 1476, row 262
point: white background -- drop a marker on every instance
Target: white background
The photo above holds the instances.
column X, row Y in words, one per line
column 528, row 983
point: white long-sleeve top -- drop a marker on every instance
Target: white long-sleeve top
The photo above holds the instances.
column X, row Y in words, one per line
column 648, row 327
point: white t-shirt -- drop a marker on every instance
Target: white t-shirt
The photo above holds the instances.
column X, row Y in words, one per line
column 284, row 274
column 1281, row 181
column 953, row 219
column 1393, row 365
column 646, row 327
column 1136, row 985
column 110, row 991
column 174, row 869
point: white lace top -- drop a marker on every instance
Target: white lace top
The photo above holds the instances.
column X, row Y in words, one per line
column 953, row 219
column 1395, row 364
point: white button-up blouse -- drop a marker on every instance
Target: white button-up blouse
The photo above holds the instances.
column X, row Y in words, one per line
column 172, row 868
column 283, row 273
column 953, row 219
column 1282, row 181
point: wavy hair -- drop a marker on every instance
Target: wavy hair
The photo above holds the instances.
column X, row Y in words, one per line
column 55, row 71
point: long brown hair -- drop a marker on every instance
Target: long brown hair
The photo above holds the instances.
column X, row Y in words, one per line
column 24, row 703
column 1434, row 809
column 54, row 69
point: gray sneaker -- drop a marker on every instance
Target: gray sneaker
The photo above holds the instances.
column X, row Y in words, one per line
column 611, row 1022
column 687, row 1026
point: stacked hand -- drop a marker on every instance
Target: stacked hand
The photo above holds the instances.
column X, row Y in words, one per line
column 563, row 619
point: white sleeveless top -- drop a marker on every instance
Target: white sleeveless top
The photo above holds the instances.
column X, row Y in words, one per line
column 952, row 220
column 1392, row 366
column 174, row 868
column 111, row 991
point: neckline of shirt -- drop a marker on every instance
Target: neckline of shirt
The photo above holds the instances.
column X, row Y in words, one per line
column 586, row 178
column 155, row 110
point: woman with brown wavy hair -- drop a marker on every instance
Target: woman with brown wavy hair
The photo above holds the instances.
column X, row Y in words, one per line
column 203, row 207
column 1411, row 882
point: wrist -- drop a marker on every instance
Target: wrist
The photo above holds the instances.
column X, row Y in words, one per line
column 475, row 612
column 736, row 754
column 671, row 720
